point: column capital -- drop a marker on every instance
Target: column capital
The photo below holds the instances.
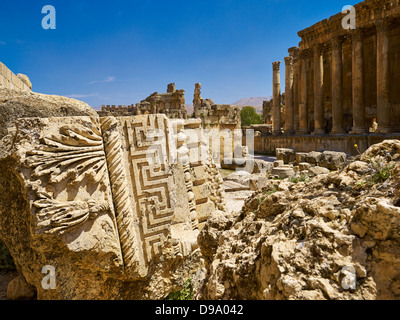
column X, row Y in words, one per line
column 357, row 34
column 337, row 42
column 382, row 25
column 304, row 54
column 276, row 65
column 293, row 52
column 318, row 48
column 289, row 61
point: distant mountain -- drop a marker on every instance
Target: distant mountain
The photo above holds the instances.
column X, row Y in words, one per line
column 256, row 102
column 189, row 109
column 252, row 101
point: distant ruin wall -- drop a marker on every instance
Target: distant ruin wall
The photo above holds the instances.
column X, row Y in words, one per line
column 308, row 143
column 8, row 80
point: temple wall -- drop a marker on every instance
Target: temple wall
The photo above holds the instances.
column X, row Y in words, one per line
column 308, row 143
column 8, row 80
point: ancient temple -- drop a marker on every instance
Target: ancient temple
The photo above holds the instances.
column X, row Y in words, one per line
column 171, row 103
column 341, row 84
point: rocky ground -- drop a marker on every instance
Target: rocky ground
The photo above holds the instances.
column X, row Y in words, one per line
column 333, row 237
column 5, row 279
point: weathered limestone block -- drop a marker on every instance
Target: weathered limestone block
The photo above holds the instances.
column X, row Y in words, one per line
column 8, row 80
column 262, row 167
column 304, row 166
column 279, row 163
column 301, row 157
column 282, row 172
column 286, row 154
column 202, row 170
column 313, row 157
column 56, row 207
column 145, row 180
column 333, row 160
column 315, row 171
column 388, row 150
column 110, row 204
column 18, row 289
column 25, row 79
column 16, row 104
column 253, row 181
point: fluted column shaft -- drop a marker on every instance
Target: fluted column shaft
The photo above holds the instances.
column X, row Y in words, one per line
column 289, row 107
column 319, row 114
column 277, row 97
column 303, row 108
column 383, row 79
column 359, row 124
column 337, row 86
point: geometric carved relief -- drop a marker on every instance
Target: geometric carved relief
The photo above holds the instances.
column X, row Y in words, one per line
column 123, row 185
column 138, row 155
column 153, row 181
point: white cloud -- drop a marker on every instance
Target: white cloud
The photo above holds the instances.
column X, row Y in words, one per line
column 108, row 80
column 80, row 96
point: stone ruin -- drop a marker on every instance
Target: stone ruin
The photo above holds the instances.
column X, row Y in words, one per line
column 222, row 120
column 8, row 80
column 172, row 104
column 110, row 193
column 220, row 116
column 113, row 204
column 225, row 120
column 340, row 84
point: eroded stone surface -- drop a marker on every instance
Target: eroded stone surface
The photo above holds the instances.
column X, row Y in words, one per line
column 113, row 204
column 335, row 237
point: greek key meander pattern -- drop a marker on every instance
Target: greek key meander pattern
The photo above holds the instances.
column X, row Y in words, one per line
column 153, row 182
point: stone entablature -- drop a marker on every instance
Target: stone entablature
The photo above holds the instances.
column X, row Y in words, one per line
column 367, row 12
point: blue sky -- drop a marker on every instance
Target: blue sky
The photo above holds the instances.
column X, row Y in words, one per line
column 119, row 52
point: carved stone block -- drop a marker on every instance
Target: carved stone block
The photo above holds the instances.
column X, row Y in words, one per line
column 64, row 169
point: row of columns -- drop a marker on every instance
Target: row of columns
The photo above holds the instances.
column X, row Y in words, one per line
column 358, row 87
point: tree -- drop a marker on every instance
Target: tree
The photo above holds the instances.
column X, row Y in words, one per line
column 249, row 116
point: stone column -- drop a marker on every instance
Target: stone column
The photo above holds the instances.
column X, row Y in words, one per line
column 337, row 86
column 319, row 114
column 303, row 109
column 296, row 94
column 358, row 83
column 289, row 108
column 383, row 80
column 294, row 52
column 276, row 112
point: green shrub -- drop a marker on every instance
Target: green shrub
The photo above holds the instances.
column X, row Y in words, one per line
column 273, row 190
column 302, row 178
column 382, row 171
column 185, row 294
column 249, row 116
column 6, row 260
